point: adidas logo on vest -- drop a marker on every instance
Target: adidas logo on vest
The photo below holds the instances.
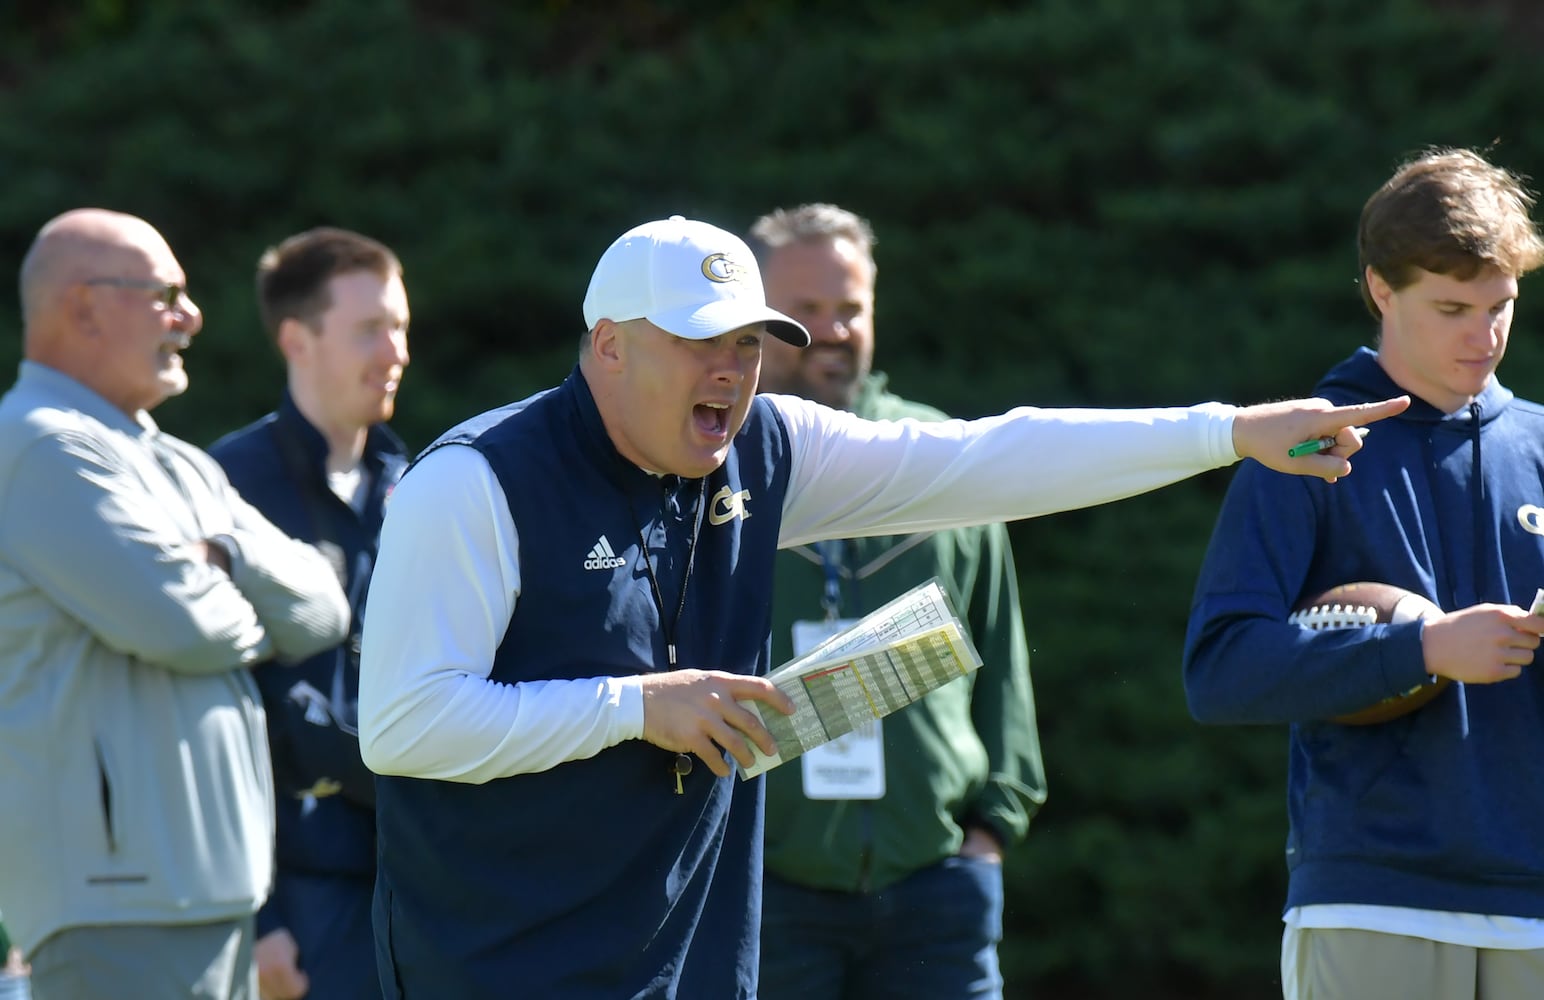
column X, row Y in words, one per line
column 601, row 556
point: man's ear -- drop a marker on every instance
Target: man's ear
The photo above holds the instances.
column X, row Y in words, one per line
column 1381, row 291
column 79, row 305
column 608, row 345
column 294, row 339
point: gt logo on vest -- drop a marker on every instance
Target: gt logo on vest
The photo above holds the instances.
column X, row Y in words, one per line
column 728, row 505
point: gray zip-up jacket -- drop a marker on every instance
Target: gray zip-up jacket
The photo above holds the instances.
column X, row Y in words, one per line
column 135, row 786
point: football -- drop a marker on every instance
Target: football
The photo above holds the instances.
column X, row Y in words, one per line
column 1353, row 605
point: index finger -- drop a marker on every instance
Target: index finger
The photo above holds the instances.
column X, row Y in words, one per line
column 1366, row 413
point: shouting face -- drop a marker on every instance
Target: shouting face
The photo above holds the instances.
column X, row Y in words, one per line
column 673, row 405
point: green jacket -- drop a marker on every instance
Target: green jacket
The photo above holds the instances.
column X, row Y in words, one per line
column 966, row 755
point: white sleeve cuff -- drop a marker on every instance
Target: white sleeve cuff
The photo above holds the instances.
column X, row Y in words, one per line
column 627, row 694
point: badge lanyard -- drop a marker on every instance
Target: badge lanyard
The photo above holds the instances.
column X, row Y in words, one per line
column 852, row 765
column 831, row 562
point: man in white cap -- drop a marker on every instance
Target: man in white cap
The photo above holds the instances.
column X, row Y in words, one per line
column 571, row 603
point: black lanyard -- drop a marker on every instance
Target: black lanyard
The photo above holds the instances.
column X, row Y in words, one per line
column 668, row 627
column 680, row 763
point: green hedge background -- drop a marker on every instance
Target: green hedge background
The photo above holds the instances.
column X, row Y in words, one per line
column 1078, row 202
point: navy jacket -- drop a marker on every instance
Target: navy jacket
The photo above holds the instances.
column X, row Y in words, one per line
column 594, row 879
column 1442, row 808
column 326, row 796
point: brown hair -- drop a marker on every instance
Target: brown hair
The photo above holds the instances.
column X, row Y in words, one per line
column 1447, row 211
column 292, row 277
column 815, row 221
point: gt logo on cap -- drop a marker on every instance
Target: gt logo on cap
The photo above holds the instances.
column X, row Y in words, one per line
column 721, row 267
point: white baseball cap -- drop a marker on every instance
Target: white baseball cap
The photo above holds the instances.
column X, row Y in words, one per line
column 687, row 278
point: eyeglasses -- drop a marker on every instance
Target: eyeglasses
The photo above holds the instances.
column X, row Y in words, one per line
column 168, row 293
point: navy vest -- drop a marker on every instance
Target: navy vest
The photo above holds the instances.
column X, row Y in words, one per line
column 594, row 878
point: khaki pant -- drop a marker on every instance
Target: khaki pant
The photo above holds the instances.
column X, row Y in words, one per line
column 163, row 962
column 1335, row 964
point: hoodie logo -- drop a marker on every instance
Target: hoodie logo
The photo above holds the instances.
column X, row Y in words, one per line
column 1531, row 518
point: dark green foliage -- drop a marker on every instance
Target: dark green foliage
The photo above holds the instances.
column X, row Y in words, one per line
column 1078, row 202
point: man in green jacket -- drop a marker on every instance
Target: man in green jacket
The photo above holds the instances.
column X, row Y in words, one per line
column 884, row 848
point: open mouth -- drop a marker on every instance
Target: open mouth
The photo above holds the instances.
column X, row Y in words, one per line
column 711, row 419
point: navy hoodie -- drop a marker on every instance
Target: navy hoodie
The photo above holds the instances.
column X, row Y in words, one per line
column 1442, row 808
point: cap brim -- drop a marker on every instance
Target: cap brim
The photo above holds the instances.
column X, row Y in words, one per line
column 720, row 317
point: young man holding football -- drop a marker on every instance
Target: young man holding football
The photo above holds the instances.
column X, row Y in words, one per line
column 1414, row 849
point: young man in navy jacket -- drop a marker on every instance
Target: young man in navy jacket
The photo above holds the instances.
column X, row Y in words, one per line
column 321, row 467
column 571, row 604
column 1414, row 849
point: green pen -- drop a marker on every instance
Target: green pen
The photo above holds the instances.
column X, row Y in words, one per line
column 1311, row 447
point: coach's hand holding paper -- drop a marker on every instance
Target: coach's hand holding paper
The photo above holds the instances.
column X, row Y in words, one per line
column 699, row 711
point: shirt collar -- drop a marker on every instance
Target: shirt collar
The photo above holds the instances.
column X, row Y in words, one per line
column 77, row 396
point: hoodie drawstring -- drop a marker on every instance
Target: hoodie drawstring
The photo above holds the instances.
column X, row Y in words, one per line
column 1479, row 507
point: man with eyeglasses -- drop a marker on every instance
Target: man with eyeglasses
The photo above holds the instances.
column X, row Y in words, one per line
column 321, row 466
column 136, row 588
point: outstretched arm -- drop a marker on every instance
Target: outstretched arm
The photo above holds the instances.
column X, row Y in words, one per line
column 853, row 477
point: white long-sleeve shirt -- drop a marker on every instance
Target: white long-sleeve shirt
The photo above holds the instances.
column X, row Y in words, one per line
column 449, row 575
